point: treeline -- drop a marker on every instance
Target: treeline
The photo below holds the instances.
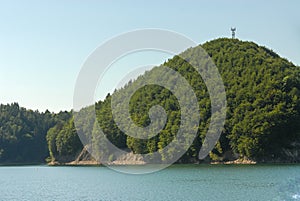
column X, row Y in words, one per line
column 262, row 117
column 263, row 104
column 23, row 133
column 263, row 92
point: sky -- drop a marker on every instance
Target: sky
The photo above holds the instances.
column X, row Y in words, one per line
column 43, row 44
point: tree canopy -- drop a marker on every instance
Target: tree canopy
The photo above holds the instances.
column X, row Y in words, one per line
column 262, row 122
column 263, row 104
column 23, row 133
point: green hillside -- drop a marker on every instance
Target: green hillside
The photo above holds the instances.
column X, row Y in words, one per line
column 263, row 105
column 263, row 109
column 23, row 133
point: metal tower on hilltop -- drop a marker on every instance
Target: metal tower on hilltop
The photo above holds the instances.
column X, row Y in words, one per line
column 233, row 29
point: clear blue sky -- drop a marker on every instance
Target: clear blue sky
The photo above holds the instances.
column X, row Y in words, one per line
column 44, row 43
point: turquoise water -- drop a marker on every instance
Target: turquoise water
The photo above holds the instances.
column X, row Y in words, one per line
column 179, row 182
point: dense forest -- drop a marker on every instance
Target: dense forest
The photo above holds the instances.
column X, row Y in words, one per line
column 23, row 133
column 262, row 116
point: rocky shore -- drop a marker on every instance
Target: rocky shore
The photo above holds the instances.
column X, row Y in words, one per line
column 236, row 162
column 131, row 159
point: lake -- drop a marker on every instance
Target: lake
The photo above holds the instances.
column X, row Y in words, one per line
column 178, row 182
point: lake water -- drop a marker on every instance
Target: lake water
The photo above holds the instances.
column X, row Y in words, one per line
column 178, row 182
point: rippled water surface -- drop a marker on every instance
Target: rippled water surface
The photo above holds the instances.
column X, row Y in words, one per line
column 179, row 182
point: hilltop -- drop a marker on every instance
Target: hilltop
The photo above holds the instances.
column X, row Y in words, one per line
column 263, row 109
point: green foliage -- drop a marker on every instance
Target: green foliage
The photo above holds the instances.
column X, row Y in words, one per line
column 263, row 99
column 263, row 111
column 262, row 90
column 23, row 134
column 63, row 142
column 262, row 94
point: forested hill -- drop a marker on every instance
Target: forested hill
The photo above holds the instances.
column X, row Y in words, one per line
column 23, row 133
column 263, row 94
column 263, row 106
column 263, row 109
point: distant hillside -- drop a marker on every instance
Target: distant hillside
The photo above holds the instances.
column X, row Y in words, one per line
column 23, row 133
column 263, row 108
column 263, row 101
column 262, row 113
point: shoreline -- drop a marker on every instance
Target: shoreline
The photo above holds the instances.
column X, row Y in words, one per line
column 124, row 163
column 93, row 164
column 235, row 162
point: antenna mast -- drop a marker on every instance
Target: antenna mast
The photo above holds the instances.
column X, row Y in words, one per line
column 233, row 29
